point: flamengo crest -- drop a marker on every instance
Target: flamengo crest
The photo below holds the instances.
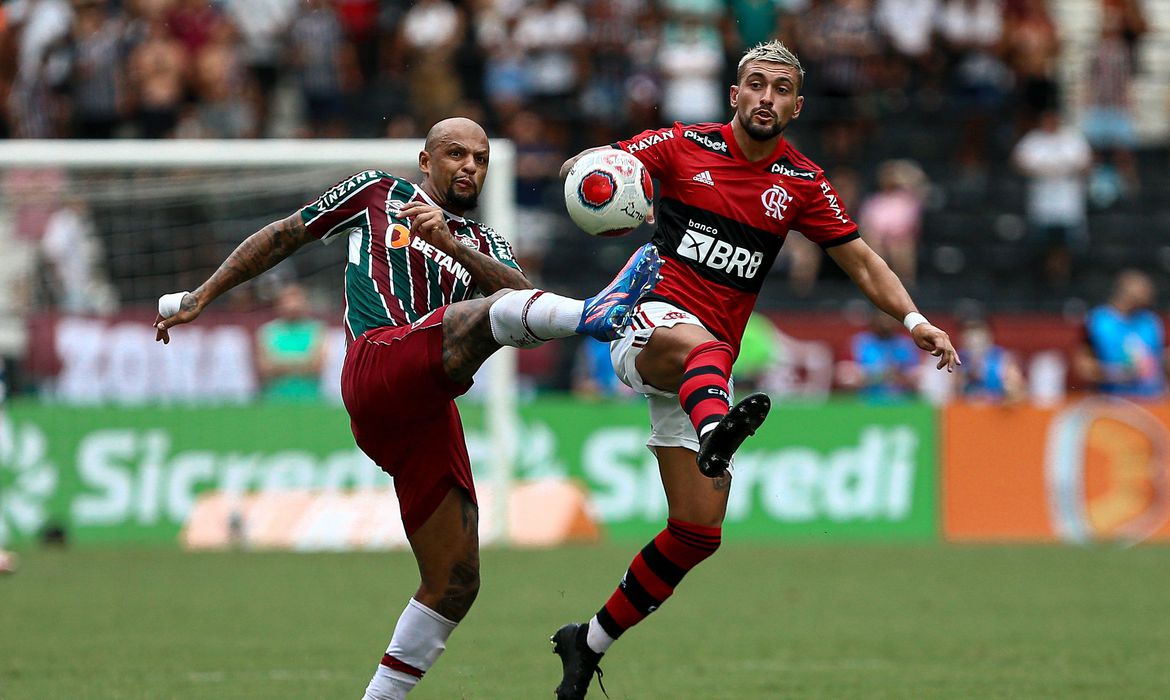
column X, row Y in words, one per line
column 775, row 200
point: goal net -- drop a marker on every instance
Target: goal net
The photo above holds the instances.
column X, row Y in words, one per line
column 94, row 232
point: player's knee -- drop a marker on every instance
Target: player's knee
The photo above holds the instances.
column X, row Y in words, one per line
column 498, row 295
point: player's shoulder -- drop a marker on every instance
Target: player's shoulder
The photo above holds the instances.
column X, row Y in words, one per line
column 794, row 165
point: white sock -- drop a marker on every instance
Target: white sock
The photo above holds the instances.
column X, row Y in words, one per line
column 526, row 318
column 419, row 637
column 597, row 639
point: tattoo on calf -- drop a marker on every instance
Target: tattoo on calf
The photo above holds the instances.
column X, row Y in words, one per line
column 462, row 588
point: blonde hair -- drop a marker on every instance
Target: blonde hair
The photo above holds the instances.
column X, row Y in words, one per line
column 773, row 52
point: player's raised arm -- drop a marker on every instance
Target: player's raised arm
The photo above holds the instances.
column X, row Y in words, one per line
column 879, row 283
column 257, row 253
column 490, row 275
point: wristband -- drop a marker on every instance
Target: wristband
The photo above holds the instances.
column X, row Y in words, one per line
column 913, row 319
column 168, row 304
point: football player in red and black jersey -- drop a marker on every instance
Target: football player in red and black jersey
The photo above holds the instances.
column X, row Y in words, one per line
column 729, row 194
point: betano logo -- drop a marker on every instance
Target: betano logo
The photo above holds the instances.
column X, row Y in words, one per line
column 27, row 479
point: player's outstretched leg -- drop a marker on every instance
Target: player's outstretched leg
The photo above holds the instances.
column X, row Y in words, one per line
column 606, row 314
column 473, row 330
column 718, row 445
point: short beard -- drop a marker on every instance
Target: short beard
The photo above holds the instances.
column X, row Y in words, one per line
column 458, row 200
column 760, row 133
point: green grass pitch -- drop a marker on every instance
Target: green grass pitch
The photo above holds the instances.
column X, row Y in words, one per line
column 791, row 621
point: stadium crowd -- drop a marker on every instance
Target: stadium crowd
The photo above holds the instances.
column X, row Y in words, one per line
column 552, row 70
column 558, row 75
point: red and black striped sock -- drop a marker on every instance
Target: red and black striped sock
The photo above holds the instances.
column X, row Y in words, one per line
column 654, row 574
column 704, row 394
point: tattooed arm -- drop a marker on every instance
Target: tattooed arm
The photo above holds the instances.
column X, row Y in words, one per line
column 257, row 253
column 489, row 274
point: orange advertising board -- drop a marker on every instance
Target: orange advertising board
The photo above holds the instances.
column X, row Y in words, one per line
column 1095, row 469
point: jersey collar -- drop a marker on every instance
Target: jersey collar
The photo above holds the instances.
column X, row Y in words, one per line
column 733, row 146
column 427, row 198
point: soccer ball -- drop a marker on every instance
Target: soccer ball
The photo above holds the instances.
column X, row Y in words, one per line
column 608, row 193
column 7, row 562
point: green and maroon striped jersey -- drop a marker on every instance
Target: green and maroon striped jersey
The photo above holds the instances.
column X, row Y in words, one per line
column 393, row 278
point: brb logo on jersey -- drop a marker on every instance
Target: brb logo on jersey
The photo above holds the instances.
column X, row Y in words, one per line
column 700, row 244
column 775, row 200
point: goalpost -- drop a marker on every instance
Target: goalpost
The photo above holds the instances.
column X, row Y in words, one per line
column 172, row 207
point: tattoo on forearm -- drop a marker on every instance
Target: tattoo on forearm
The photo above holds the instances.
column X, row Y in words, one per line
column 489, row 274
column 257, row 253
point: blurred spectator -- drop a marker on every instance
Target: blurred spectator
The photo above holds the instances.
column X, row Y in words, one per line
column 538, row 163
column 1056, row 158
column 840, row 42
column 74, row 261
column 290, row 349
column 885, row 362
column 690, row 61
column 1133, row 22
column 611, row 24
column 593, row 375
column 1109, row 123
column 505, row 73
column 551, row 32
column 224, row 108
column 193, row 23
column 432, row 30
column 758, row 21
column 988, row 372
column 908, row 25
column 1033, row 50
column 643, row 87
column 1124, row 352
column 321, row 56
column 972, row 33
column 759, row 353
column 262, row 25
column 158, row 69
column 97, row 83
column 359, row 21
column 891, row 218
column 42, row 66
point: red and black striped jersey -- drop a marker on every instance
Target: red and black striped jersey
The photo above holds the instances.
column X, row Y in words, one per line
column 393, row 278
column 723, row 218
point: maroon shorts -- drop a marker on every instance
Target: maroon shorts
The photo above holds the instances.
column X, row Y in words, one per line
column 402, row 411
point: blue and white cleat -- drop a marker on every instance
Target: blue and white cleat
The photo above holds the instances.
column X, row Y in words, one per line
column 606, row 315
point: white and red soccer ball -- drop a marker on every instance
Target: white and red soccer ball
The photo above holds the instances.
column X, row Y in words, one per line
column 608, row 193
